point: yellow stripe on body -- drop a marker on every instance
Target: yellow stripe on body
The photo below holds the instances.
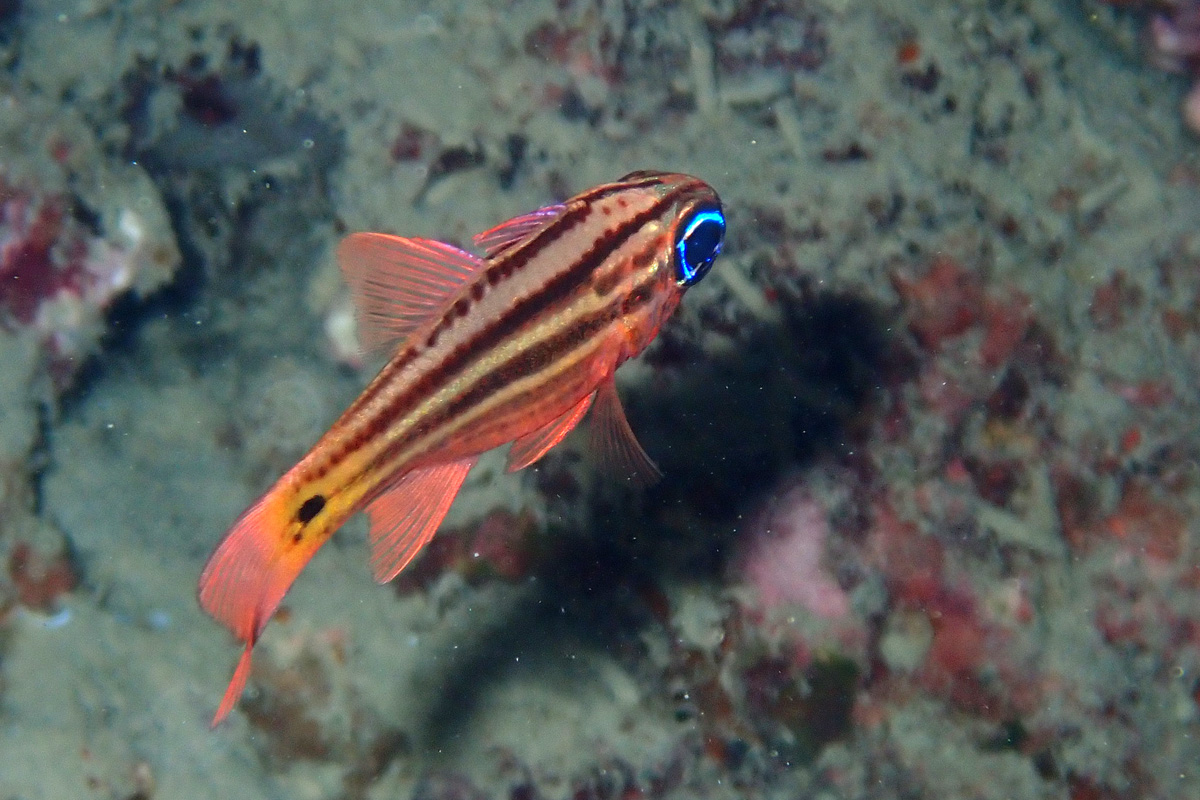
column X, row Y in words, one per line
column 402, row 416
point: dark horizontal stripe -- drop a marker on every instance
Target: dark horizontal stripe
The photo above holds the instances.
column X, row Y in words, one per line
column 531, row 361
column 507, row 325
column 579, row 209
column 518, row 255
column 505, row 265
column 415, row 347
column 504, row 327
column 563, row 284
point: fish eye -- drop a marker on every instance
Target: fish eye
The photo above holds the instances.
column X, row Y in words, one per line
column 699, row 244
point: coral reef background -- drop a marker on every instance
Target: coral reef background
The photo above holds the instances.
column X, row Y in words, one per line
column 929, row 522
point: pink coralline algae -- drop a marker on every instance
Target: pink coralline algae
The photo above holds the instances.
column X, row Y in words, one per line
column 1175, row 37
column 29, row 230
column 501, row 547
column 784, row 561
column 57, row 277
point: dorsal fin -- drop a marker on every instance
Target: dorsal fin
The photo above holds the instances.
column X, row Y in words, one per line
column 399, row 283
column 494, row 240
column 406, row 516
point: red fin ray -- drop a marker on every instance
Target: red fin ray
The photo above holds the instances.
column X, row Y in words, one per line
column 245, row 579
column 532, row 446
column 614, row 440
column 400, row 283
column 244, row 582
column 237, row 685
column 494, row 240
column 406, row 516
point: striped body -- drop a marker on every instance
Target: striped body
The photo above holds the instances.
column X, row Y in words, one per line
column 531, row 335
column 564, row 308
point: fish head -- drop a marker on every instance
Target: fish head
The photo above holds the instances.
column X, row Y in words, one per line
column 697, row 232
column 675, row 249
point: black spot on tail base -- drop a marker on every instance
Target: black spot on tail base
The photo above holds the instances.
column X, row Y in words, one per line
column 310, row 508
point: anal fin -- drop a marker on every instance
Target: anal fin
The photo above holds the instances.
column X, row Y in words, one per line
column 532, row 446
column 406, row 516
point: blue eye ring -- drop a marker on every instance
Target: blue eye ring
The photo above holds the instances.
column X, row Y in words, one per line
column 699, row 245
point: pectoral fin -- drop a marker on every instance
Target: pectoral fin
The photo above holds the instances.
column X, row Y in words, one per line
column 613, row 439
column 532, row 446
column 406, row 516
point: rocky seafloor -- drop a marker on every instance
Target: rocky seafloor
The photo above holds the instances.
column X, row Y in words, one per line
column 929, row 429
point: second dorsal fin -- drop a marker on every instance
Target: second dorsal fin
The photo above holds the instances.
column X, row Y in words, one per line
column 399, row 283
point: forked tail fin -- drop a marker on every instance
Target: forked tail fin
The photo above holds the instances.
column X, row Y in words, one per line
column 246, row 578
column 237, row 685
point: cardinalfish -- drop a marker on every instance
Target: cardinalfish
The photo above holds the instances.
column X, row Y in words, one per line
column 514, row 346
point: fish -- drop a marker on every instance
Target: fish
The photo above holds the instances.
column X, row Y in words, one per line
column 514, row 346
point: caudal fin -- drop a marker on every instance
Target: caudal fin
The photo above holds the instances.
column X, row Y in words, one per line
column 246, row 578
column 237, row 685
